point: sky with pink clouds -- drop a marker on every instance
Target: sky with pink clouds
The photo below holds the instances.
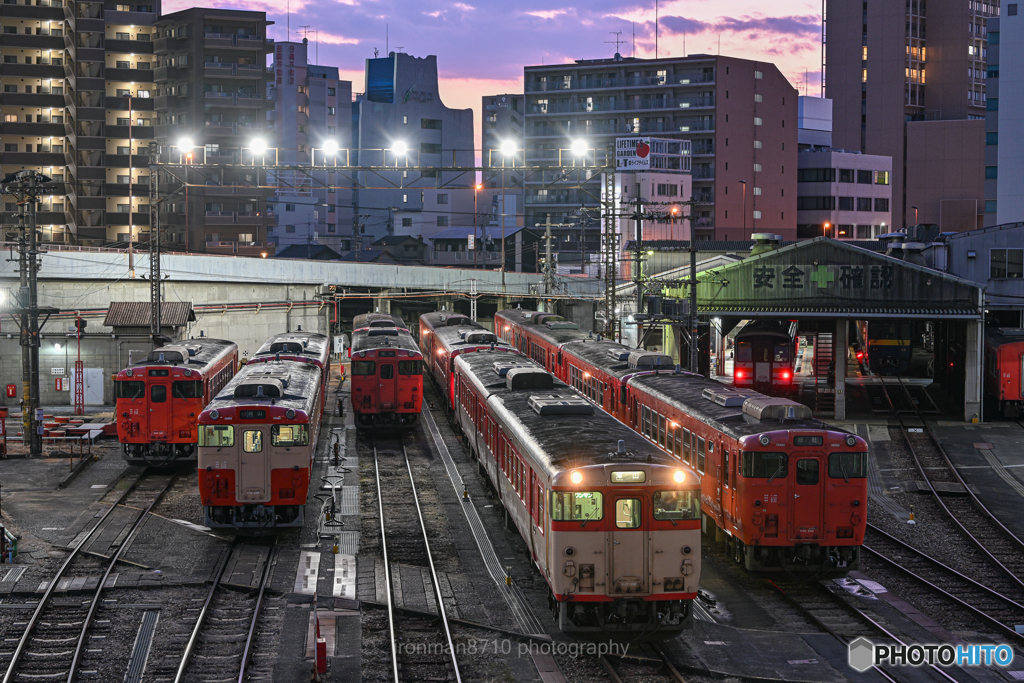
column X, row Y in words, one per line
column 483, row 45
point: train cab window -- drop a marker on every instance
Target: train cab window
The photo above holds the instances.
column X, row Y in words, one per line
column 289, row 435
column 661, row 431
column 744, row 352
column 807, row 471
column 782, row 353
column 190, row 389
column 364, row 368
column 252, row 441
column 410, row 367
column 673, row 505
column 764, row 465
column 158, row 393
column 848, row 465
column 217, row 436
column 700, row 455
column 130, row 390
column 387, row 371
column 627, row 513
column 577, row 506
column 686, row 446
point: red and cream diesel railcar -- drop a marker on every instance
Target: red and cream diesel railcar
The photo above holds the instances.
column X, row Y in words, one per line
column 444, row 337
column 366, row 320
column 159, row 399
column 387, row 378
column 302, row 347
column 611, row 522
column 257, row 439
column 809, row 516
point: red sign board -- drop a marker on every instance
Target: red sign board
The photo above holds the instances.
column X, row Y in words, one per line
column 12, row 391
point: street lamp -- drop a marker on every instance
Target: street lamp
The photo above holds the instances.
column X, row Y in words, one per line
column 579, row 147
column 824, row 231
column 476, row 216
column 258, row 146
column 508, row 148
column 744, row 184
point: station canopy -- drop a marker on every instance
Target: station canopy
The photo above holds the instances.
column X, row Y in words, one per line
column 825, row 278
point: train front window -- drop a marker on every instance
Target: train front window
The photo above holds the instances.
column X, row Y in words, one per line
column 158, row 393
column 673, row 505
column 627, row 513
column 130, row 390
column 576, row 506
column 764, row 465
column 387, row 371
column 364, row 368
column 807, row 471
column 744, row 352
column 217, row 436
column 781, row 353
column 289, row 435
column 848, row 465
column 252, row 441
column 410, row 367
column 189, row 389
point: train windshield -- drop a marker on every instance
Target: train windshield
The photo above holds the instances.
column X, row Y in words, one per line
column 190, row 389
column 671, row 505
column 744, row 352
column 130, row 390
column 848, row 465
column 364, row 368
column 764, row 465
column 410, row 367
column 217, row 436
column 289, row 435
column 576, row 506
column 782, row 353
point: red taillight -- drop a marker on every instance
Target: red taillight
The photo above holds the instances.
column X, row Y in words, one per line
column 286, row 493
column 860, row 355
column 739, row 374
column 785, row 375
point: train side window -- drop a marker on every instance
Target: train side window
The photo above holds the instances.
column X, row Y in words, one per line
column 764, row 465
column 848, row 465
column 807, row 471
column 364, row 368
column 158, row 393
column 686, row 446
column 189, row 389
column 252, row 441
column 700, row 454
column 725, row 467
column 661, row 431
column 217, row 436
column 677, row 447
column 130, row 390
column 627, row 513
column 387, row 371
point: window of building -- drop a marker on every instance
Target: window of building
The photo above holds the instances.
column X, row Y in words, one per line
column 757, row 168
column 846, row 175
column 123, row 65
column 331, row 111
column 863, row 203
column 668, row 190
column 405, row 199
column 816, row 175
column 289, row 228
column 757, row 121
column 406, row 222
column 990, row 206
column 815, row 203
column 881, row 204
column 863, row 177
column 442, row 198
column 1011, row 9
column 331, row 92
column 757, row 144
column 881, row 177
column 757, row 214
column 442, row 221
column 1007, row 263
column 991, row 138
column 991, row 172
column 289, row 207
column 757, row 98
column 992, row 104
column 405, row 120
column 759, row 75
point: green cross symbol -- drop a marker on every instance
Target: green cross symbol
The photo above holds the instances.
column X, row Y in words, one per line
column 822, row 276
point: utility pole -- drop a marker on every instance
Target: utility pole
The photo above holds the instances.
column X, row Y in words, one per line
column 155, row 285
column 638, row 251
column 27, row 187
column 611, row 250
column 548, row 272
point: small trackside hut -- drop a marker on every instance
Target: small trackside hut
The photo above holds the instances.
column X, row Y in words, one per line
column 611, row 522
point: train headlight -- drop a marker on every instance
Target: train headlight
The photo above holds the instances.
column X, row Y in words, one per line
column 188, row 372
column 576, row 477
column 214, row 415
column 764, row 440
column 679, row 476
column 851, row 440
column 129, row 372
column 290, row 414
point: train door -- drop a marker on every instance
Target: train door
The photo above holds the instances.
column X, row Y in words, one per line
column 159, row 408
column 254, row 464
column 629, row 544
column 808, row 491
column 387, row 389
column 763, row 367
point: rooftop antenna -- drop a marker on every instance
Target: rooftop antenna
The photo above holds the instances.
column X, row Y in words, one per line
column 387, row 43
column 616, row 42
column 634, row 39
column 288, row 10
column 398, row 49
column 655, row 29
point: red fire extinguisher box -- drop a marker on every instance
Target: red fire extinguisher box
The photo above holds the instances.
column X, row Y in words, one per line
column 12, row 391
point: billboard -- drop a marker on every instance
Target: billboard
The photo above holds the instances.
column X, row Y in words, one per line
column 640, row 153
column 632, row 154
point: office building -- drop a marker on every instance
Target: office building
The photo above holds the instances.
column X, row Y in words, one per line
column 77, row 105
column 211, row 102
column 400, row 121
column 844, row 195
column 814, row 122
column 908, row 81
column 1004, row 145
column 311, row 122
column 740, row 116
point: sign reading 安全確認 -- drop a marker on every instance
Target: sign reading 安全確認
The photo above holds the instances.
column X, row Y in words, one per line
column 632, row 154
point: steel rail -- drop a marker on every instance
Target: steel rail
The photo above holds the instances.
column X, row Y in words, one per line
column 33, row 620
column 387, row 568
column 1014, row 540
column 193, row 639
column 268, row 571
column 433, row 572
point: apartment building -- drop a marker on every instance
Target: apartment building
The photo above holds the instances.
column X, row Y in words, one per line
column 211, row 102
column 76, row 103
column 503, row 125
column 1004, row 156
column 908, row 80
column 311, row 124
column 844, row 195
column 740, row 116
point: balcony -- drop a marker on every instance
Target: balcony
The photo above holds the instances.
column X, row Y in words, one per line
column 31, row 159
column 40, row 10
column 115, row 103
column 248, row 42
column 46, row 130
column 647, row 104
column 138, row 47
column 138, row 132
column 121, row 161
column 234, row 218
column 131, row 18
column 45, row 71
column 696, row 78
column 568, row 198
column 119, row 218
column 33, row 42
column 33, row 100
column 130, row 75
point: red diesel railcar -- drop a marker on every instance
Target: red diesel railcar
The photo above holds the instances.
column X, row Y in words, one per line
column 1004, row 365
column 158, row 399
column 387, row 378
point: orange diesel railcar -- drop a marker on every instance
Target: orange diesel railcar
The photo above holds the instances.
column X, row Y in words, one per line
column 159, row 399
column 789, row 491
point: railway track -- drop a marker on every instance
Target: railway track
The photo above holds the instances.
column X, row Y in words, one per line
column 52, row 644
column 421, row 649
column 220, row 645
column 641, row 662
